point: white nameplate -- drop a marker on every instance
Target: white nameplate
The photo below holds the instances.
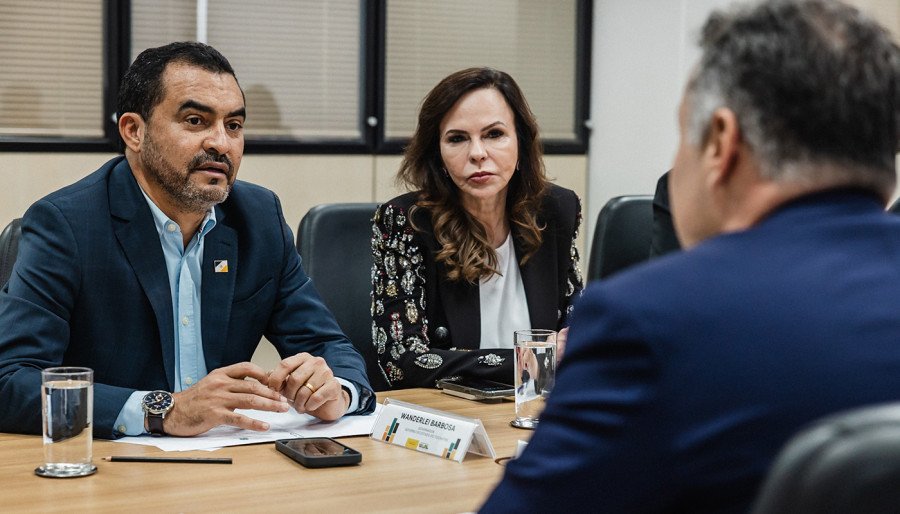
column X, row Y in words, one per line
column 433, row 431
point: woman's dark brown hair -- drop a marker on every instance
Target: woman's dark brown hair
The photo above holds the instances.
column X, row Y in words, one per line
column 466, row 250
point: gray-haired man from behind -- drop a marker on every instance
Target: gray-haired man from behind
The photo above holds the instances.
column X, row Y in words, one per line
column 684, row 377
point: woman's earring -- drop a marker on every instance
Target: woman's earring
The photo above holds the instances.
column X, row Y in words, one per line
column 445, row 173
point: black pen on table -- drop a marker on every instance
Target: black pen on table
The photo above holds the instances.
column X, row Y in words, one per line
column 170, row 460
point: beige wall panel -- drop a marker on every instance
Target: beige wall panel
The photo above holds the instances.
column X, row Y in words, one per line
column 570, row 171
column 265, row 356
column 27, row 177
column 302, row 182
column 887, row 12
column 386, row 167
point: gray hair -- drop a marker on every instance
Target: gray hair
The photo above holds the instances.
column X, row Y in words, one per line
column 815, row 87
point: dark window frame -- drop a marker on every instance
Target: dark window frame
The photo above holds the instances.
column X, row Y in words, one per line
column 117, row 48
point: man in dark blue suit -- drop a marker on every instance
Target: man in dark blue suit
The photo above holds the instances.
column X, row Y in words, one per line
column 161, row 273
column 683, row 378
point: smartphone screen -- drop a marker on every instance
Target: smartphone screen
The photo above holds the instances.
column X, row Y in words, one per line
column 318, row 452
column 318, row 447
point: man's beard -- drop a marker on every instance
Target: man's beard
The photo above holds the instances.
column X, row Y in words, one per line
column 185, row 194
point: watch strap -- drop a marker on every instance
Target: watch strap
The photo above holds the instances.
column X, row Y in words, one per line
column 155, row 424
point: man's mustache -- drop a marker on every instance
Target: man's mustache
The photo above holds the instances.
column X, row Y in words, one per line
column 203, row 158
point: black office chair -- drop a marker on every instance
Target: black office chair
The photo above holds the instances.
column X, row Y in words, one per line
column 895, row 208
column 847, row 462
column 9, row 248
column 622, row 235
column 335, row 242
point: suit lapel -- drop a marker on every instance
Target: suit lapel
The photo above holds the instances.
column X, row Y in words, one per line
column 136, row 232
column 539, row 279
column 462, row 305
column 217, row 292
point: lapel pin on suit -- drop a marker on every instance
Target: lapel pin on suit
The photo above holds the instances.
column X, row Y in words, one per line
column 221, row 266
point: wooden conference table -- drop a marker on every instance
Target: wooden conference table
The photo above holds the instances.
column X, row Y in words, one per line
column 390, row 478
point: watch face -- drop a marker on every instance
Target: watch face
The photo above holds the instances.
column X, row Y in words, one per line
column 158, row 401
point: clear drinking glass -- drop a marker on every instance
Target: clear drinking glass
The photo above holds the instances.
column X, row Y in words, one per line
column 67, row 402
column 535, row 368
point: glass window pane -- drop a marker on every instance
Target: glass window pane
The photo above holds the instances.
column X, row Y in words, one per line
column 298, row 61
column 51, row 54
column 157, row 22
column 532, row 40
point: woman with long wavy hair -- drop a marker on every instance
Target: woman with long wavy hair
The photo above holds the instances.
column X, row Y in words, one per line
column 482, row 245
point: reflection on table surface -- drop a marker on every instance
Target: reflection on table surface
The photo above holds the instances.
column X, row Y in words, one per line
column 390, row 478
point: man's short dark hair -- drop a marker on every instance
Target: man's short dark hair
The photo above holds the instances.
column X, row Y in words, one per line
column 811, row 82
column 142, row 89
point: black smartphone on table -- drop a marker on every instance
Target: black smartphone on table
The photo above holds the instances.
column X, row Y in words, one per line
column 318, row 452
column 475, row 388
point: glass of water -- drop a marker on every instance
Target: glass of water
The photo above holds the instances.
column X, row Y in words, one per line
column 67, row 408
column 535, row 367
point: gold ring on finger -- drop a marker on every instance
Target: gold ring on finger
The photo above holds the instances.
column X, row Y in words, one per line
column 311, row 388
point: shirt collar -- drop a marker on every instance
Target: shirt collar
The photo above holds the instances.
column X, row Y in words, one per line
column 161, row 220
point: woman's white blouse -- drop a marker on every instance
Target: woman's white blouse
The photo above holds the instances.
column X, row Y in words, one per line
column 504, row 308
